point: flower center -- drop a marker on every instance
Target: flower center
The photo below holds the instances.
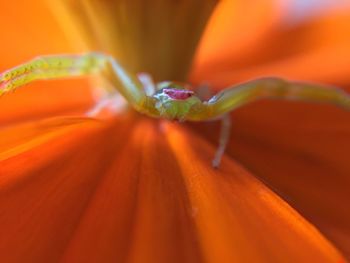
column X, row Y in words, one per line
column 158, row 37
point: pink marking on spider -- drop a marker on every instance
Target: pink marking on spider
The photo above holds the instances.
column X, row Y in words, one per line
column 178, row 94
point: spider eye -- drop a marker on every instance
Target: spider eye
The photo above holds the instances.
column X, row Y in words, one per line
column 178, row 94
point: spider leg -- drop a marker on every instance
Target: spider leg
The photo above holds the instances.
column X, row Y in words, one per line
column 64, row 66
column 272, row 88
column 147, row 83
column 223, row 140
column 231, row 98
column 50, row 67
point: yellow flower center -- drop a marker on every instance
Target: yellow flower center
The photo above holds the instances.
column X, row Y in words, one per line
column 158, row 37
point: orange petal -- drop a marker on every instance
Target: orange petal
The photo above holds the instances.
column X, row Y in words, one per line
column 49, row 172
column 302, row 152
column 140, row 191
column 20, row 138
column 237, row 218
column 316, row 50
column 234, row 31
column 28, row 30
column 46, row 99
column 140, row 211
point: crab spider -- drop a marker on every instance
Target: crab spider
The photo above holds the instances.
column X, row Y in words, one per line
column 169, row 100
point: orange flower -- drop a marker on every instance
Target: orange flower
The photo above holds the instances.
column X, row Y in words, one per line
column 134, row 189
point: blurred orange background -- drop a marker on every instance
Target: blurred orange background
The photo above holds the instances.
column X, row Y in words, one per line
column 300, row 152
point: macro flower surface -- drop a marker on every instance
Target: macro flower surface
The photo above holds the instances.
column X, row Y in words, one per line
column 128, row 188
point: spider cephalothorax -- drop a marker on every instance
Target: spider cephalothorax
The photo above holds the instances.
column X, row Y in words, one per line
column 174, row 100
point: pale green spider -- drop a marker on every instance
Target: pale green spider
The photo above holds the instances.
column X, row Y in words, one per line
column 170, row 100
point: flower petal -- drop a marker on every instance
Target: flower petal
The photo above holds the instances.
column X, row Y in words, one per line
column 47, row 180
column 299, row 150
column 233, row 33
column 316, row 50
column 236, row 26
column 139, row 213
column 302, row 152
column 20, row 138
column 238, row 219
column 46, row 99
column 140, row 190
column 28, row 30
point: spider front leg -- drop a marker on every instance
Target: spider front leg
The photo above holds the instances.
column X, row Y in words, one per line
column 65, row 66
column 231, row 98
column 50, row 67
column 274, row 88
